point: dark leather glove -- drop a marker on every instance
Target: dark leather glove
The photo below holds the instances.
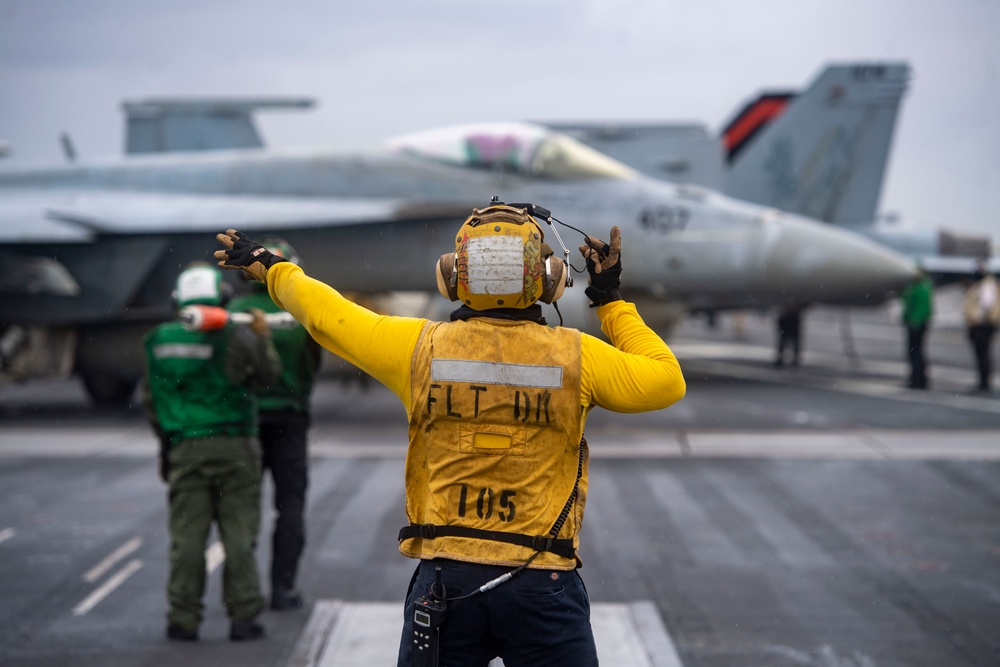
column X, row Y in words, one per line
column 604, row 263
column 244, row 253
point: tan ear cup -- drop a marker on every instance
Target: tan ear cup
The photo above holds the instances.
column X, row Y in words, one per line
column 555, row 280
column 447, row 280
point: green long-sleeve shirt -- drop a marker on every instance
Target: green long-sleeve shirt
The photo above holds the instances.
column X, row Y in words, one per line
column 918, row 302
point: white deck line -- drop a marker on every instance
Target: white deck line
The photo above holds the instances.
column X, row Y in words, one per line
column 215, row 555
column 818, row 445
column 624, row 443
column 105, row 589
column 96, row 572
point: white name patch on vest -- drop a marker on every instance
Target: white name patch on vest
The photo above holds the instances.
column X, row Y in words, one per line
column 488, row 372
column 182, row 351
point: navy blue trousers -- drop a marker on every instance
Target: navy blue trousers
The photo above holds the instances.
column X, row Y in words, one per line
column 981, row 335
column 539, row 618
column 283, row 440
column 918, row 364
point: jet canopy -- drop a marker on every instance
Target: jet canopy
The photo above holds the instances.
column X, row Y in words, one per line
column 522, row 148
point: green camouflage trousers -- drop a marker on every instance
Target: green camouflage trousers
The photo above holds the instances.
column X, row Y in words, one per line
column 214, row 479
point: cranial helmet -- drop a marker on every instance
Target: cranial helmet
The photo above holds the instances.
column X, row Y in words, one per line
column 200, row 283
column 500, row 261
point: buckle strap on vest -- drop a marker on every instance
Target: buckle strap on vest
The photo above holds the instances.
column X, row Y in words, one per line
column 429, row 531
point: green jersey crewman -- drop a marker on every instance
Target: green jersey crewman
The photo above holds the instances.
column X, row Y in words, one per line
column 918, row 309
column 198, row 394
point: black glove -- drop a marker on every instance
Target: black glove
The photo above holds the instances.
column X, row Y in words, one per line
column 244, row 253
column 604, row 263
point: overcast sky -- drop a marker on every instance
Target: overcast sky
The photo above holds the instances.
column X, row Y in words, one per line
column 380, row 68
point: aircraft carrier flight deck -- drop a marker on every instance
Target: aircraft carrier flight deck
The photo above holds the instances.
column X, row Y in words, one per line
column 821, row 515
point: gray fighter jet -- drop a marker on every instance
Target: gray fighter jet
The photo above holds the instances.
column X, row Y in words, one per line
column 820, row 153
column 89, row 251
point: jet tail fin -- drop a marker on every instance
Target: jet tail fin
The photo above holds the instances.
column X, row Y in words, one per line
column 823, row 153
column 164, row 125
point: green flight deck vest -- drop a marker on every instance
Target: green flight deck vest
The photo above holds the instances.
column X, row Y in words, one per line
column 192, row 395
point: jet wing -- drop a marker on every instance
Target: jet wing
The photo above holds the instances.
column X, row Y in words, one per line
column 46, row 215
column 80, row 256
column 945, row 270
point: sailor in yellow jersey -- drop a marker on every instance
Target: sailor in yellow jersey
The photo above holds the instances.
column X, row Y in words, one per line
column 496, row 470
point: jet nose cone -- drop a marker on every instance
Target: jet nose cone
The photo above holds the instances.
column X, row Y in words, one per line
column 843, row 266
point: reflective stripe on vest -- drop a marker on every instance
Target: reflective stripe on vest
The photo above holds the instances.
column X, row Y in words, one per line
column 192, row 395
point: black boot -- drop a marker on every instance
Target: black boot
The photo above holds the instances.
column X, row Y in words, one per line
column 289, row 598
column 246, row 630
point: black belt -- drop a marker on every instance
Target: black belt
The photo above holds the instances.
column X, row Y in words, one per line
column 429, row 531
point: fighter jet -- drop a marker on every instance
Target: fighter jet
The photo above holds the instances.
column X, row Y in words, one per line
column 89, row 252
column 820, row 153
column 780, row 154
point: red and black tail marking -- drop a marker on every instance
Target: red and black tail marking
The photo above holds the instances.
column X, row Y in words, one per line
column 754, row 117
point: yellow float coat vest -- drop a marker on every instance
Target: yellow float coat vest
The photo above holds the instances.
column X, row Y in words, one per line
column 495, row 439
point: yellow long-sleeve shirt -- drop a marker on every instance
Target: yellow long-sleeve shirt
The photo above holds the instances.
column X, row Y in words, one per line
column 447, row 454
column 636, row 373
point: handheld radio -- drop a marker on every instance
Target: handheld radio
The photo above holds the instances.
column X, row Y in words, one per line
column 428, row 617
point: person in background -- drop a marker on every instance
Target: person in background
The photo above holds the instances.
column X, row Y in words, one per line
column 981, row 309
column 198, row 394
column 918, row 309
column 283, row 409
column 789, row 334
